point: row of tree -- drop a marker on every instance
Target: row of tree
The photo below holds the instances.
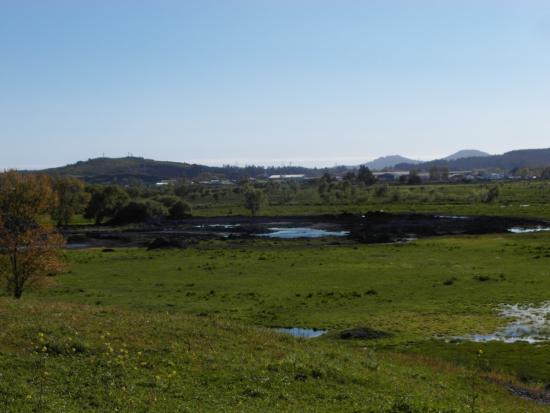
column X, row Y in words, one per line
column 115, row 202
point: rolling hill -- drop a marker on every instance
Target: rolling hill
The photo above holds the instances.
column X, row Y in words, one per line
column 466, row 153
column 389, row 162
column 132, row 169
column 524, row 158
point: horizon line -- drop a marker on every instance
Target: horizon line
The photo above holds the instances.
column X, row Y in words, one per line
column 220, row 162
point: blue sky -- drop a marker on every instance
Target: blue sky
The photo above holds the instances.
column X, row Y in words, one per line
column 270, row 82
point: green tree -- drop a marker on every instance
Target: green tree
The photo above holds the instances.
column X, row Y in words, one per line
column 71, row 199
column 380, row 191
column 180, row 210
column 167, row 200
column 325, row 187
column 140, row 210
column 413, row 178
column 182, row 188
column 350, row 177
column 365, row 176
column 254, row 199
column 439, row 173
column 492, row 194
column 105, row 202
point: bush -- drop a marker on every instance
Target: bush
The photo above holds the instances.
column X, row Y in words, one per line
column 140, row 211
column 167, row 200
column 381, row 191
column 180, row 210
column 492, row 194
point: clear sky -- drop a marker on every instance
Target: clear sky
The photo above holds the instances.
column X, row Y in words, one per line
column 270, row 82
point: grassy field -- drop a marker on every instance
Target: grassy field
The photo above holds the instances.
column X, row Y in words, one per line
column 534, row 211
column 336, row 284
column 517, row 199
column 521, row 199
column 174, row 330
column 71, row 358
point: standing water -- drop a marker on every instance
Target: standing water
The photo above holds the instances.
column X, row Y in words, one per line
column 530, row 324
column 291, row 233
column 301, row 332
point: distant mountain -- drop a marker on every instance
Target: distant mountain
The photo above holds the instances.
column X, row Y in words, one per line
column 389, row 162
column 132, row 169
column 466, row 153
column 524, row 158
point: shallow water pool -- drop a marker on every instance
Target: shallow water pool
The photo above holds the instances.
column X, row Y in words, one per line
column 301, row 232
column 301, row 332
column 521, row 230
column 530, row 324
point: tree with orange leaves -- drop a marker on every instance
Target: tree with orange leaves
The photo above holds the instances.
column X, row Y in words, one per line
column 29, row 248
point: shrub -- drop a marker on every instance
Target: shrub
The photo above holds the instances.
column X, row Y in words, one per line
column 492, row 194
column 167, row 200
column 140, row 211
column 381, row 191
column 180, row 210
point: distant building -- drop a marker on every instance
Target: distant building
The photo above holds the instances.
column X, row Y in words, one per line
column 385, row 177
column 166, row 182
column 295, row 177
column 217, row 182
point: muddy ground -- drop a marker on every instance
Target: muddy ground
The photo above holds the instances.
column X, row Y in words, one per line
column 376, row 227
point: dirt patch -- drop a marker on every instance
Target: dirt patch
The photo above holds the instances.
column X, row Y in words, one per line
column 168, row 243
column 363, row 333
column 538, row 396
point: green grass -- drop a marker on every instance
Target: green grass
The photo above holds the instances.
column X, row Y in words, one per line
column 399, row 288
column 67, row 358
column 533, row 211
column 521, row 199
column 202, row 313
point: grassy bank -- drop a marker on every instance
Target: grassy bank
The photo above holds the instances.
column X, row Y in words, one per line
column 71, row 358
column 171, row 330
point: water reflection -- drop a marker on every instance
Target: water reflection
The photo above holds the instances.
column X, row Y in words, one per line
column 290, row 233
column 301, row 332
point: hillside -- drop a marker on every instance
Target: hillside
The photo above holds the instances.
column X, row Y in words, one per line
column 389, row 162
column 466, row 153
column 122, row 170
column 132, row 169
column 525, row 158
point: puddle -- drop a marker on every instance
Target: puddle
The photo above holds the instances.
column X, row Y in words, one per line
column 531, row 325
column 290, row 233
column 224, row 226
column 77, row 245
column 523, row 230
column 301, row 332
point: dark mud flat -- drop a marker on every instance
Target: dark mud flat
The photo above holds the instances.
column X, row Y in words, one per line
column 182, row 233
column 377, row 227
column 380, row 227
